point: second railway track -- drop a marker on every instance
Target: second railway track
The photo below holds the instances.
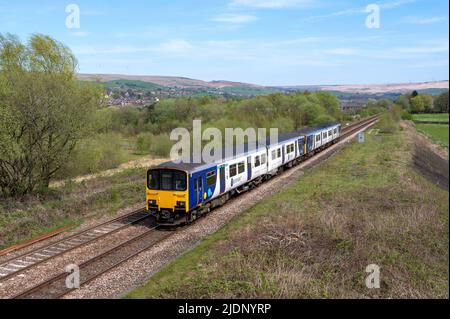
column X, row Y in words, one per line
column 23, row 262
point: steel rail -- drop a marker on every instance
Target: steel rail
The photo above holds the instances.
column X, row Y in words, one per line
column 21, row 263
column 91, row 269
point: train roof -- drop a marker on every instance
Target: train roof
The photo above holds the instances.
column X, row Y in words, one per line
column 230, row 152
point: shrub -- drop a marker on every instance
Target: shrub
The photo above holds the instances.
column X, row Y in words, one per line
column 387, row 123
column 93, row 155
column 161, row 145
column 144, row 143
column 406, row 115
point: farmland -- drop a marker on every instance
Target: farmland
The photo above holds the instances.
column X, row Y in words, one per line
column 437, row 132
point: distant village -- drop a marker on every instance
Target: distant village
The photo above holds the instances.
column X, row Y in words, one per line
column 122, row 96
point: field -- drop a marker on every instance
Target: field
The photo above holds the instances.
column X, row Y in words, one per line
column 437, row 132
column 365, row 205
column 443, row 117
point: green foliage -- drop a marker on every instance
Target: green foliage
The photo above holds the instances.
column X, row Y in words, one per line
column 95, row 154
column 135, row 84
column 441, row 103
column 406, row 115
column 46, row 109
column 161, row 145
column 144, row 143
column 422, row 103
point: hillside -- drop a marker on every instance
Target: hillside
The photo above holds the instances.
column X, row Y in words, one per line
column 167, row 81
column 187, row 83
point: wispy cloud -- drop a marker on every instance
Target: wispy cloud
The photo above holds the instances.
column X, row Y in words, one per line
column 360, row 10
column 175, row 46
column 80, row 34
column 271, row 4
column 417, row 20
column 343, row 51
column 235, row 18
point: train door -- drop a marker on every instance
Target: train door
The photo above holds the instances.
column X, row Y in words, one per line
column 222, row 179
column 301, row 147
column 249, row 168
column 198, row 187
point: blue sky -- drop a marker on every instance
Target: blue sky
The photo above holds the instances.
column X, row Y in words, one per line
column 269, row 42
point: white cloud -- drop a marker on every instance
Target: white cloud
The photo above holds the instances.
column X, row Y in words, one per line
column 343, row 51
column 92, row 50
column 423, row 49
column 271, row 4
column 235, row 18
column 80, row 34
column 361, row 10
column 417, row 20
column 175, row 46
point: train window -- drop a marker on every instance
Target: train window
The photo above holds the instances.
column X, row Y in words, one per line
column 330, row 133
column 241, row 167
column 179, row 179
column 290, row 149
column 335, row 131
column 324, row 135
column 274, row 155
column 318, row 138
column 257, row 161
column 279, row 153
column 166, row 181
column 211, row 178
column 153, row 180
column 233, row 171
column 263, row 159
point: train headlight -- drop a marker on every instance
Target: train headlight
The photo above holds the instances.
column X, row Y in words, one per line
column 152, row 202
column 181, row 204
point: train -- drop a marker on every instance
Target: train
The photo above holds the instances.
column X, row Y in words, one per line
column 180, row 193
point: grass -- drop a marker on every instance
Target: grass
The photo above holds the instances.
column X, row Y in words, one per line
column 31, row 216
column 443, row 117
column 437, row 132
column 314, row 239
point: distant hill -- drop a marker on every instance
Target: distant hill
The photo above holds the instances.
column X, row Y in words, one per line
column 166, row 81
column 246, row 89
column 428, row 87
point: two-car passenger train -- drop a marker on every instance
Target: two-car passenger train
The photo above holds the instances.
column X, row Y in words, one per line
column 180, row 193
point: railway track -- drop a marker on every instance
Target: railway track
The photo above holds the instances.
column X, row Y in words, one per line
column 359, row 125
column 56, row 287
column 21, row 263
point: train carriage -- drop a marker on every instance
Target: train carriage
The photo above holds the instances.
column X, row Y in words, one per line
column 181, row 192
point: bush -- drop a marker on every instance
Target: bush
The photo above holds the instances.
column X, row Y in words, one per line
column 93, row 155
column 144, row 143
column 406, row 115
column 388, row 124
column 161, row 145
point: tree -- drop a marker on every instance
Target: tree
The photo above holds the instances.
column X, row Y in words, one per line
column 47, row 111
column 441, row 103
column 428, row 102
column 403, row 101
column 417, row 104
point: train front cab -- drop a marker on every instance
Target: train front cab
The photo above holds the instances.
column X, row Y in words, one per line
column 167, row 195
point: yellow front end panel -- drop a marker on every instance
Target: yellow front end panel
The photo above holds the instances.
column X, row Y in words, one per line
column 167, row 199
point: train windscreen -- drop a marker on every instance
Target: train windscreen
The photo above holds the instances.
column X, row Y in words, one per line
column 167, row 180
